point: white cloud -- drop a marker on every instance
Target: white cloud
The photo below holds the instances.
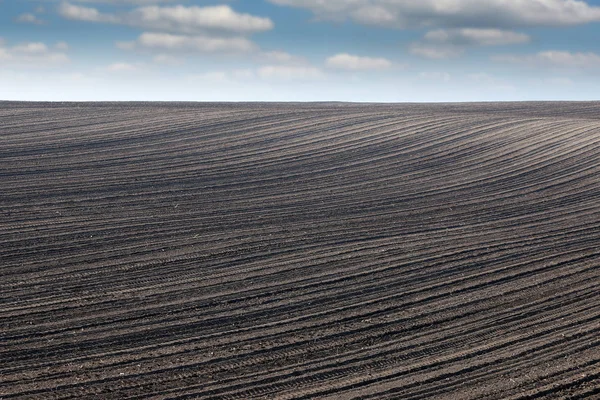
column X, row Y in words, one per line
column 176, row 19
column 122, row 67
column 553, row 58
column 31, row 48
column 28, row 18
column 355, row 63
column 167, row 59
column 476, row 37
column 448, row 43
column 187, row 44
column 125, row 2
column 281, row 57
column 374, row 15
column 88, row 14
column 31, row 54
column 452, row 13
column 198, row 19
column 436, row 51
column 289, row 72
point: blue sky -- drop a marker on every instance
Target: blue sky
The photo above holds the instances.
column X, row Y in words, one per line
column 300, row 50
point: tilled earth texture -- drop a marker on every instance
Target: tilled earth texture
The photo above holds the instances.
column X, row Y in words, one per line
column 299, row 251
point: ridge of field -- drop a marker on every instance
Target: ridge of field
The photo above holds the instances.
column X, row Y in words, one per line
column 296, row 251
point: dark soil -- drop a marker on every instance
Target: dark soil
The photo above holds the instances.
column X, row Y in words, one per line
column 296, row 251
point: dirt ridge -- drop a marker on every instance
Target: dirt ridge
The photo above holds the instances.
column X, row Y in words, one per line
column 296, row 251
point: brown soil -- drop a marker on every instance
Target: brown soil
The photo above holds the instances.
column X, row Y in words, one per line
column 296, row 251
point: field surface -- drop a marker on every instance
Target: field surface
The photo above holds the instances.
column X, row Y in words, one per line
column 299, row 251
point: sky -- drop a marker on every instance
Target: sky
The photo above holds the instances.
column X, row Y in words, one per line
column 300, row 50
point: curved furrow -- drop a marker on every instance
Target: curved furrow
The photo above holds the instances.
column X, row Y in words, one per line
column 252, row 250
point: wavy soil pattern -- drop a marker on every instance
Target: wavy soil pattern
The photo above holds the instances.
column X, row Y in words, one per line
column 296, row 251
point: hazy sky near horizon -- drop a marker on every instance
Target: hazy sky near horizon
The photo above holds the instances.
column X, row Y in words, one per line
column 300, row 50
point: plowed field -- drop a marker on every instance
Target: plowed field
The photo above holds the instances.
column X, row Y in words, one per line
column 297, row 251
